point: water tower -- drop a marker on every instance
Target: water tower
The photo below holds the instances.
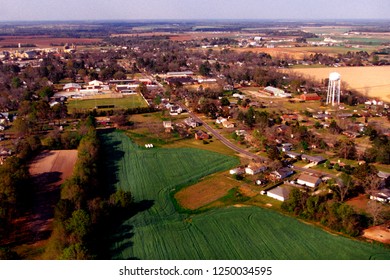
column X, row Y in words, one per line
column 334, row 89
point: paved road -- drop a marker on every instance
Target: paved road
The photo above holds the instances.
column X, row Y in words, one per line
column 245, row 152
column 225, row 141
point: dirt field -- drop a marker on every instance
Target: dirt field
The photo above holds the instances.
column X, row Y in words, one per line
column 372, row 81
column 379, row 233
column 49, row 170
column 44, row 41
column 205, row 192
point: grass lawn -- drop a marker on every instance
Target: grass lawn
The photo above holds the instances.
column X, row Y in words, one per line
column 132, row 101
column 159, row 231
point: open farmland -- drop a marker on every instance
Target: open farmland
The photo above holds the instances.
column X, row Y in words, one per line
column 49, row 170
column 132, row 101
column 159, row 231
column 45, row 41
column 372, row 81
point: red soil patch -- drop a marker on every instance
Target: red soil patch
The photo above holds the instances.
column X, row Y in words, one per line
column 379, row 233
column 359, row 203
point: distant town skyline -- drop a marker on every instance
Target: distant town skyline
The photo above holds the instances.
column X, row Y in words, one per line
column 52, row 10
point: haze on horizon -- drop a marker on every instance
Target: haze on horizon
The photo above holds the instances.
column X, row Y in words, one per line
column 56, row 10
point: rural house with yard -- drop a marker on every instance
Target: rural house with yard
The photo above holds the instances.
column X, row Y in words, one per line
column 308, row 180
column 255, row 168
column 280, row 193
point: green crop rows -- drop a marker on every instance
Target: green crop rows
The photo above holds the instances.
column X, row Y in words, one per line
column 160, row 232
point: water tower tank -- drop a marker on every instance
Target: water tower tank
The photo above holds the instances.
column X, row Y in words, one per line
column 334, row 76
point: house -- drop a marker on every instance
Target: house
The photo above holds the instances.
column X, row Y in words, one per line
column 168, row 126
column 237, row 171
column 220, row 120
column 293, row 154
column 289, row 117
column 227, row 124
column 280, row 193
column 126, row 89
column 95, row 84
column 201, row 135
column 191, row 122
column 255, row 168
column 313, row 159
column 351, row 134
column 383, row 175
column 175, row 110
column 180, row 74
column 277, row 92
column 310, row 97
column 308, row 180
column 241, row 132
column 72, row 87
column 286, row 147
column 282, row 173
column 382, row 195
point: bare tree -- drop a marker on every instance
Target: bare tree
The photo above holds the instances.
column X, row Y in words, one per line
column 376, row 211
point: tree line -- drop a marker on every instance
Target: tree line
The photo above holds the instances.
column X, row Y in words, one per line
column 87, row 210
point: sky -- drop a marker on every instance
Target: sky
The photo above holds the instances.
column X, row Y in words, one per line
column 42, row 10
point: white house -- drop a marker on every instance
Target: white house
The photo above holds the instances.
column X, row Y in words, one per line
column 308, row 180
column 238, row 171
column 72, row 87
column 280, row 193
column 382, row 195
column 255, row 168
column 282, row 173
column 227, row 124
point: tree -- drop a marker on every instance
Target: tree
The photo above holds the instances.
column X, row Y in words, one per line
column 273, row 153
column 225, row 101
column 343, row 186
column 346, row 149
column 376, row 211
column 78, row 226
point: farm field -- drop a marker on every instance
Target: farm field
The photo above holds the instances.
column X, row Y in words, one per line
column 132, row 101
column 372, row 81
column 48, row 170
column 45, row 41
column 159, row 231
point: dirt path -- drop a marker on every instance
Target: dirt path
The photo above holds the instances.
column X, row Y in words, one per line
column 49, row 170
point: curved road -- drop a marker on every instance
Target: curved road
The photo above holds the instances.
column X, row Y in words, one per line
column 239, row 150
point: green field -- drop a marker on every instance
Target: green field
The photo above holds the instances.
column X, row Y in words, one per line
column 161, row 232
column 132, row 101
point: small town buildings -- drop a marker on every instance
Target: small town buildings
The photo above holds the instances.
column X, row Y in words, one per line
column 168, row 126
column 308, row 180
column 286, row 147
column 255, row 168
column 282, row 173
column 72, row 87
column 310, row 97
column 351, row 134
column 220, row 120
column 201, row 135
column 382, row 195
column 237, row 171
column 190, row 122
column 277, row 92
column 95, row 84
column 280, row 193
column 227, row 124
column 241, row 132
column 175, row 110
column 294, row 155
column 126, row 89
column 313, row 159
column 289, row 117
